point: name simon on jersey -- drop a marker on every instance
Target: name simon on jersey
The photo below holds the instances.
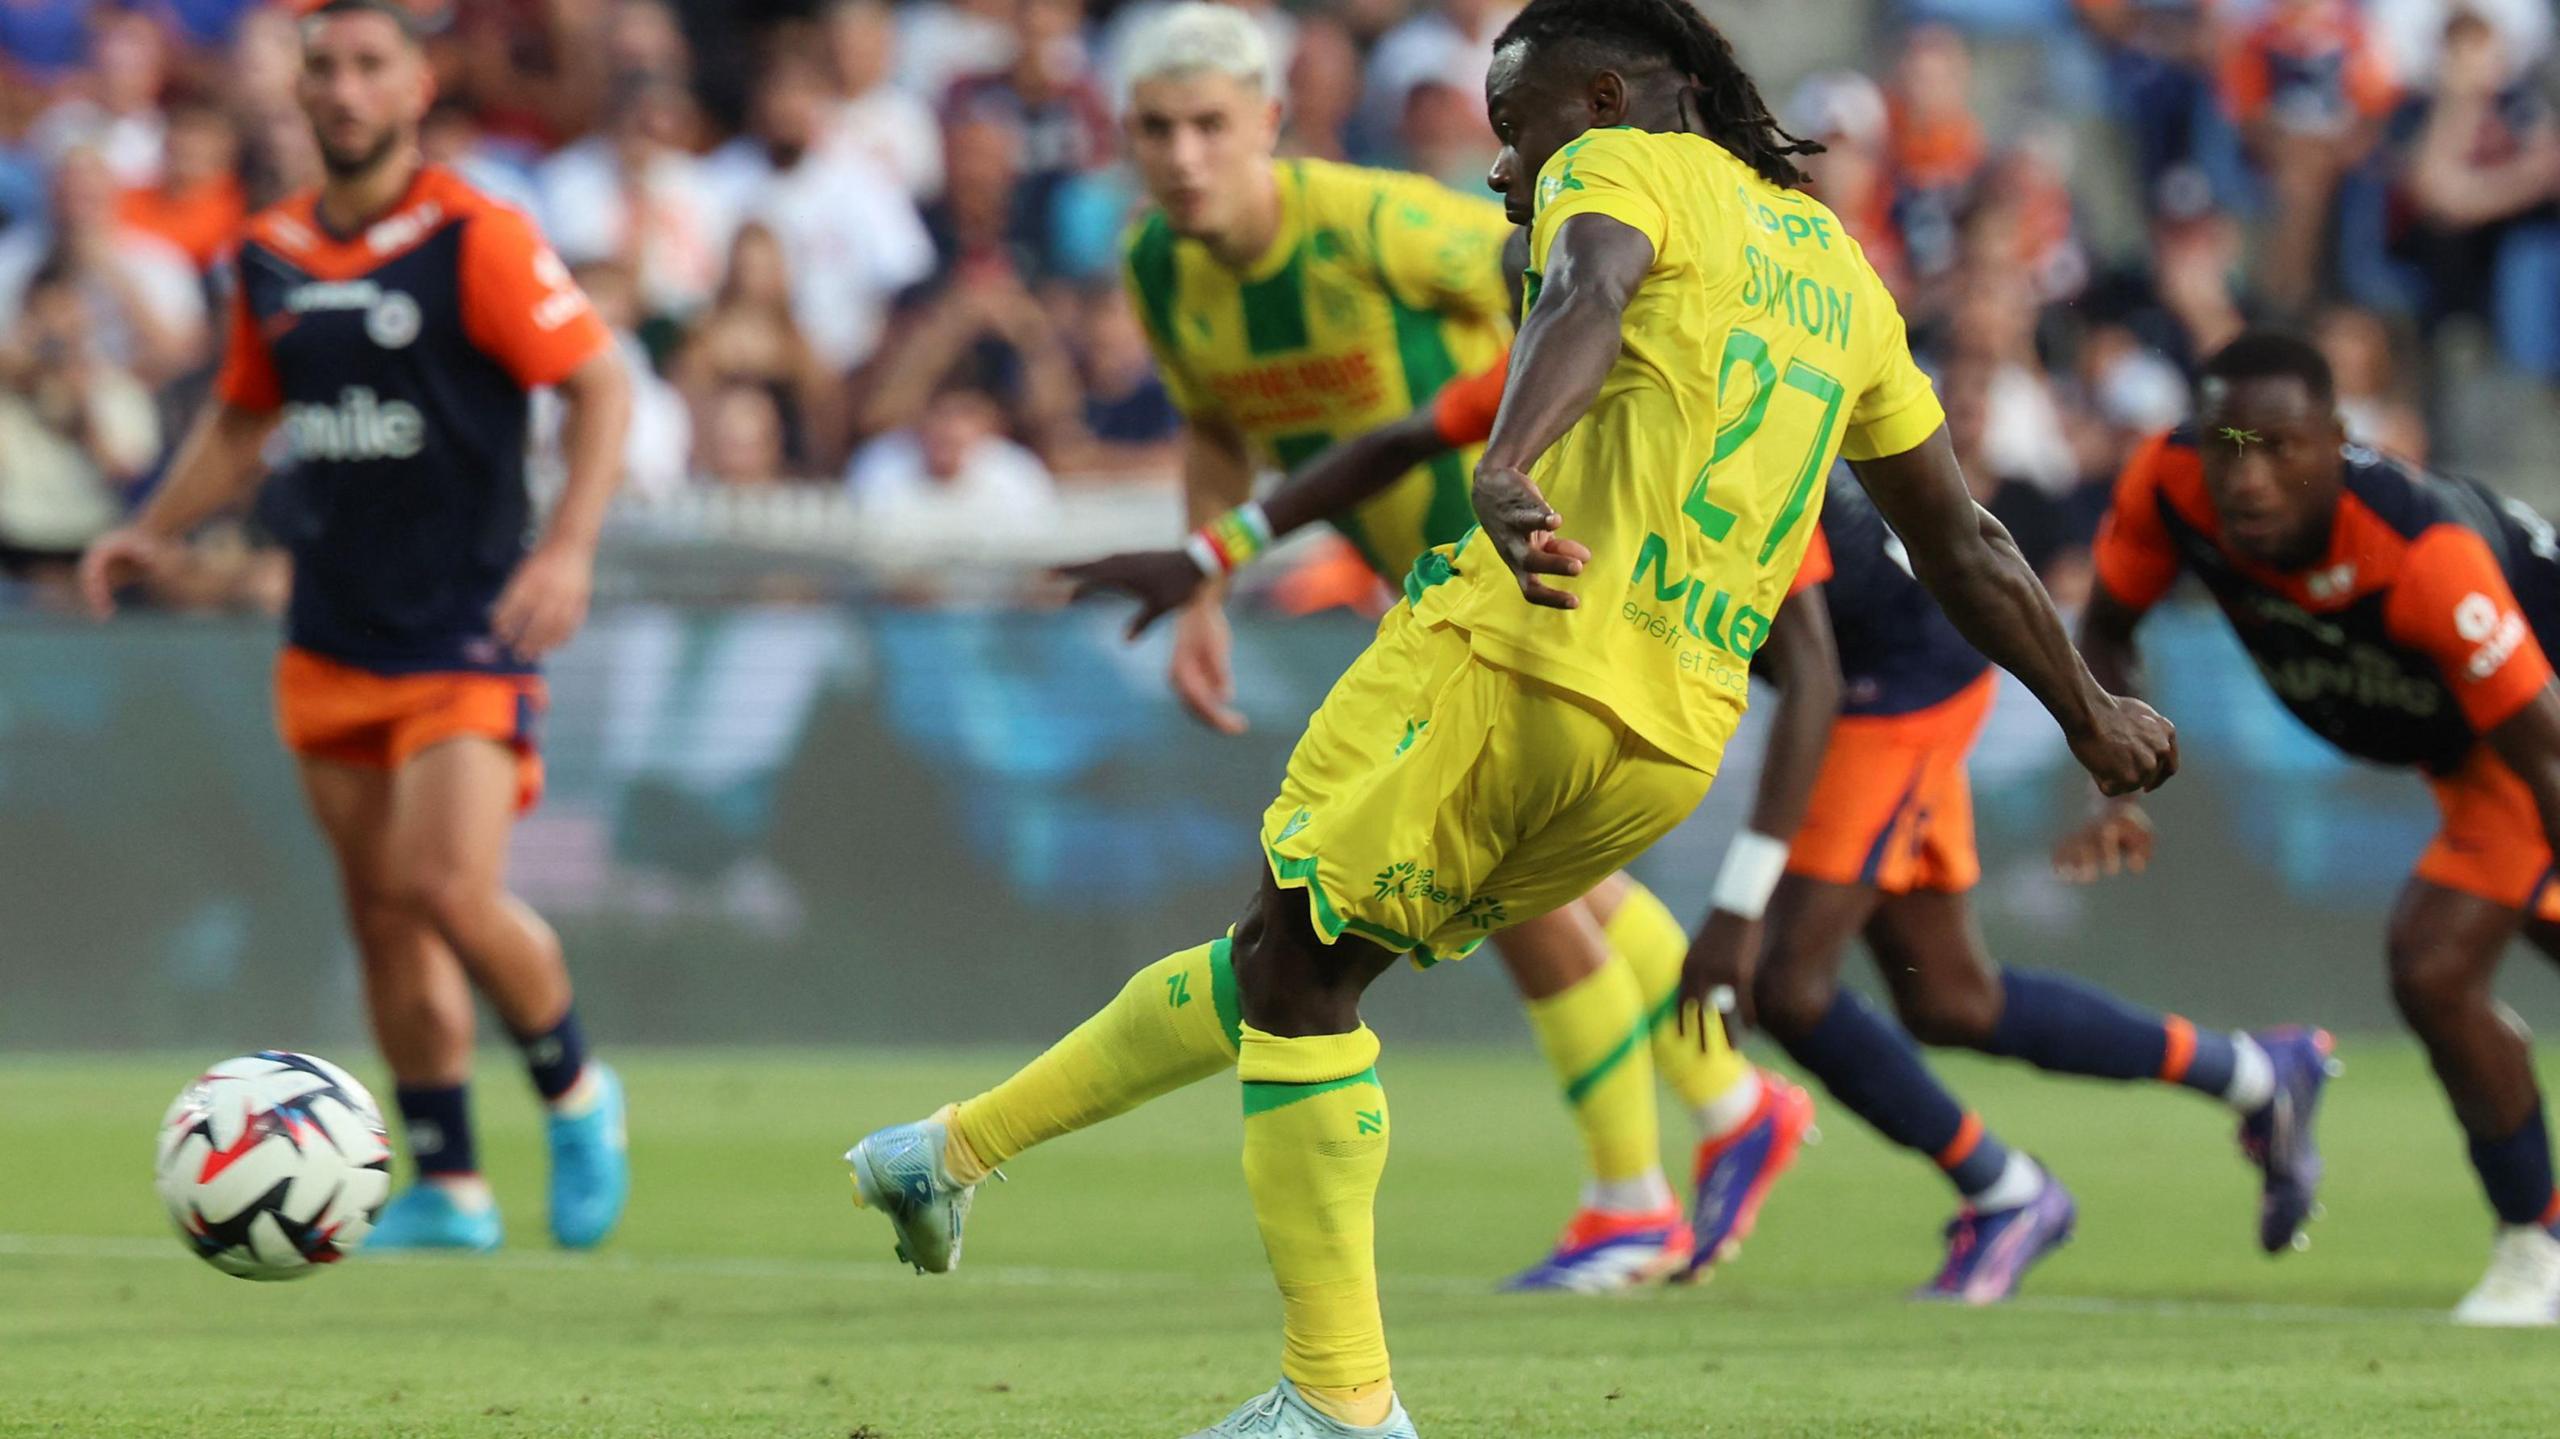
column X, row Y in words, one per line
column 1770, row 288
column 360, row 426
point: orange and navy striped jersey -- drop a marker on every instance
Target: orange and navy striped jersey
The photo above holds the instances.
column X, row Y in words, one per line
column 402, row 359
column 2422, row 628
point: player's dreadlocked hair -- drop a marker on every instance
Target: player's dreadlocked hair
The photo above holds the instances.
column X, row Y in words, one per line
column 1728, row 103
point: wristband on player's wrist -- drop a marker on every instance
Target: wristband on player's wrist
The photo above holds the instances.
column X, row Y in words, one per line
column 1229, row 542
column 1752, row 865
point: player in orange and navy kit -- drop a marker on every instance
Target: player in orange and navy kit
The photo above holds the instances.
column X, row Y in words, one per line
column 393, row 325
column 1886, row 851
column 2406, row 619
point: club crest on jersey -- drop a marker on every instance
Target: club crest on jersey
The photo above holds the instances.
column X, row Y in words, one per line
column 393, row 320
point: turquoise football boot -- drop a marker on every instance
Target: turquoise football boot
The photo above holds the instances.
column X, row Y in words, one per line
column 590, row 1165
column 425, row 1217
column 899, row 1171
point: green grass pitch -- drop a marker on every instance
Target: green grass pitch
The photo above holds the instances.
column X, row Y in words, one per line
column 1115, row 1287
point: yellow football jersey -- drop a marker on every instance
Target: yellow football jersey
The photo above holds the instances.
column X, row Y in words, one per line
column 1379, row 289
column 1760, row 348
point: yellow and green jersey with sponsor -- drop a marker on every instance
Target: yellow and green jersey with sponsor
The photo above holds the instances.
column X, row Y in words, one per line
column 1378, row 289
column 1760, row 347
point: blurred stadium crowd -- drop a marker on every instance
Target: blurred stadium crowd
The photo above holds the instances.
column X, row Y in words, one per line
column 874, row 246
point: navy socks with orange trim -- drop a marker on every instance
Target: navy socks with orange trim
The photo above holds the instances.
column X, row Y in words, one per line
column 2065, row 1026
column 2516, row 1171
column 1870, row 1064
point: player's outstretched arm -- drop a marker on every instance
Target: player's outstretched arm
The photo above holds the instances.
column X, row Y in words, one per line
column 216, row 467
column 545, row 601
column 1973, row 568
column 1217, row 476
column 1594, row 266
column 1803, row 658
column 1162, row 581
column 2116, row 838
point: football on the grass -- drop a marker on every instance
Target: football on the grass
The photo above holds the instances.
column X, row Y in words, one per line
column 273, row 1164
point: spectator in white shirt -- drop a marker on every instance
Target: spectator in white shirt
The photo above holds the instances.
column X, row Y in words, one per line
column 875, row 117
column 953, row 470
column 632, row 194
column 142, row 290
column 849, row 233
column 117, row 113
column 75, row 429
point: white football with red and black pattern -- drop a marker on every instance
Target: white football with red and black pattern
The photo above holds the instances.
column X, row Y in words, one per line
column 273, row 1164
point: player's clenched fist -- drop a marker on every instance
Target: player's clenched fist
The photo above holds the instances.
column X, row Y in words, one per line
column 116, row 559
column 2128, row 748
column 1522, row 527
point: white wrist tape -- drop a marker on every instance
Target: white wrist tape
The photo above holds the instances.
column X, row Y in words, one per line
column 1752, row 864
column 1203, row 554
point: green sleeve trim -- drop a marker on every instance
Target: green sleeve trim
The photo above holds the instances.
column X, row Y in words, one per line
column 1223, row 993
column 1261, row 1096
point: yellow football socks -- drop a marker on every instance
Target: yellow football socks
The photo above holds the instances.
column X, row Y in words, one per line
column 1592, row 1033
column 1655, row 946
column 1174, row 1023
column 1315, row 1142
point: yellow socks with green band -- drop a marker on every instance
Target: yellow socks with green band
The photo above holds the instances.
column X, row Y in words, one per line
column 1708, row 1079
column 1593, row 1035
column 1315, row 1142
column 1174, row 1023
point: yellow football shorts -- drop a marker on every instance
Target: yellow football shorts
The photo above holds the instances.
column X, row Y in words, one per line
column 1436, row 797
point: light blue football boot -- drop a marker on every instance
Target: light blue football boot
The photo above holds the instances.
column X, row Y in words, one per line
column 590, row 1165
column 899, row 1171
column 1284, row 1413
column 425, row 1216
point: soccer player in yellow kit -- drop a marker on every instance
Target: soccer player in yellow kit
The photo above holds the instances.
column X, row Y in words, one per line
column 1293, row 304
column 1556, row 690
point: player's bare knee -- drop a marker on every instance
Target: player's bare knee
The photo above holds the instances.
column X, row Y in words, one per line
column 1957, row 1014
column 1792, row 998
column 2429, row 976
column 1288, row 981
column 449, row 899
